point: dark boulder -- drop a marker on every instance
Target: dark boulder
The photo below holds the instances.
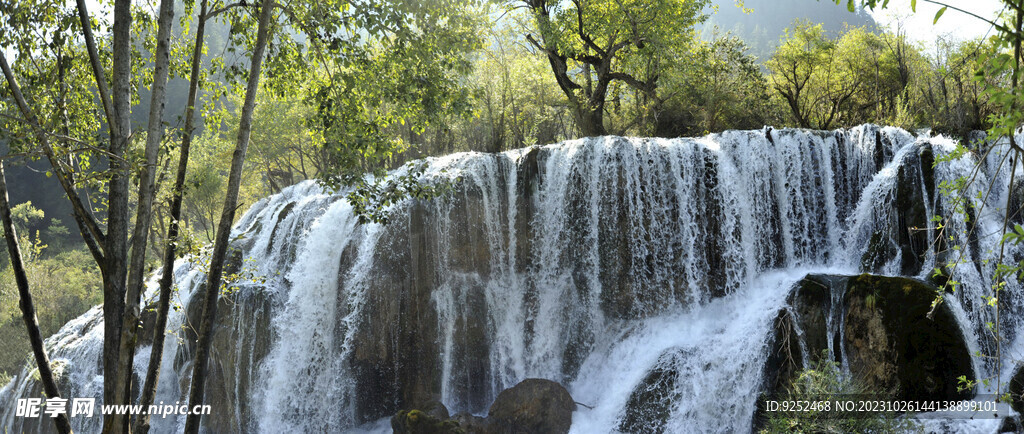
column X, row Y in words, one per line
column 1016, row 390
column 1011, row 424
column 532, row 406
column 419, row 422
column 436, row 409
column 650, row 404
column 894, row 345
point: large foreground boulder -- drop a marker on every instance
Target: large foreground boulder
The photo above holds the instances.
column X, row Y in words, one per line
column 1016, row 390
column 896, row 343
column 532, row 406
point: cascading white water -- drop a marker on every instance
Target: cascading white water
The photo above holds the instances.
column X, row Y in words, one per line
column 592, row 262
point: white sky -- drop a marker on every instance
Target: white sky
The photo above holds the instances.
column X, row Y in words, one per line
column 920, row 24
column 952, row 23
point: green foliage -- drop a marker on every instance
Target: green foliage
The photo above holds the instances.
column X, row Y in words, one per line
column 861, row 76
column 239, row 271
column 64, row 286
column 858, row 77
column 49, row 57
column 612, row 48
column 372, row 200
column 417, row 54
column 516, row 101
column 722, row 88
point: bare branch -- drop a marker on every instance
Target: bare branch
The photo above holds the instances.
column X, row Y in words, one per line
column 225, row 9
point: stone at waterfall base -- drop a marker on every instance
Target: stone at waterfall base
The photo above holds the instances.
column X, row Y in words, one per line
column 532, row 406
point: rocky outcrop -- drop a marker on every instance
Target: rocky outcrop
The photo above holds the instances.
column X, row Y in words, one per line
column 906, row 236
column 650, row 403
column 895, row 342
column 236, row 353
column 534, row 406
column 240, row 342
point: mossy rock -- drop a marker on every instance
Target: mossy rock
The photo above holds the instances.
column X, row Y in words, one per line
column 893, row 345
column 897, row 343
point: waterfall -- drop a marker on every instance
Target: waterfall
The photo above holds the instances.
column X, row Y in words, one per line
column 642, row 274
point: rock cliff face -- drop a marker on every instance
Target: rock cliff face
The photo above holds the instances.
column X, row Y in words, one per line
column 907, row 237
column 654, row 279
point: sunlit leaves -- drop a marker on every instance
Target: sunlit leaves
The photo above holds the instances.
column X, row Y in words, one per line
column 417, row 64
column 372, row 200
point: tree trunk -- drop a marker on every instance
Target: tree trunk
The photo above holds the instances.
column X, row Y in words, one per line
column 170, row 251
column 590, row 120
column 96, row 63
column 116, row 248
column 143, row 214
column 111, row 257
column 220, row 247
column 86, row 226
column 28, row 310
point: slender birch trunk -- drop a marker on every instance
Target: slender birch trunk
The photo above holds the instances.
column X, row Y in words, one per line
column 144, row 211
column 170, row 252
column 28, row 310
column 199, row 365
